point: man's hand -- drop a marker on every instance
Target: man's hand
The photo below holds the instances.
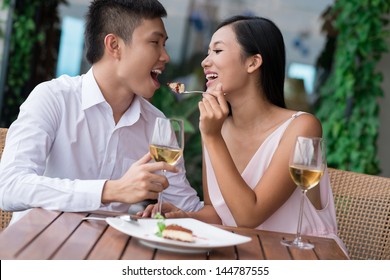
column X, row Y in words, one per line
column 142, row 181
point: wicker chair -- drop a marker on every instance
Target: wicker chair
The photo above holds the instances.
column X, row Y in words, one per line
column 5, row 216
column 363, row 213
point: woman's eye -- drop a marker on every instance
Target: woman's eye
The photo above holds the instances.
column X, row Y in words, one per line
column 217, row 51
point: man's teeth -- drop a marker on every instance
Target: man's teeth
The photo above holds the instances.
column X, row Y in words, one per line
column 211, row 76
column 156, row 71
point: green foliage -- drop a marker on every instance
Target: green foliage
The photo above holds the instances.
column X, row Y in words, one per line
column 185, row 107
column 33, row 23
column 349, row 99
column 22, row 41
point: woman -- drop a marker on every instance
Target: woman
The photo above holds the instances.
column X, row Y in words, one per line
column 248, row 135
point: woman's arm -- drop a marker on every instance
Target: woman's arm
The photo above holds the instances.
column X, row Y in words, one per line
column 250, row 207
column 206, row 214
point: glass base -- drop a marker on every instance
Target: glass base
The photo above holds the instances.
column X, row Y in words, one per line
column 297, row 243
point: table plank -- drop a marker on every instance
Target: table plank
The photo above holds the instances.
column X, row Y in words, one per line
column 110, row 246
column 224, row 253
column 272, row 248
column 137, row 251
column 55, row 235
column 166, row 255
column 17, row 236
column 327, row 249
column 82, row 241
column 302, row 254
column 251, row 250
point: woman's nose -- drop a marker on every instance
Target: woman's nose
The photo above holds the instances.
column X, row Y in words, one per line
column 205, row 62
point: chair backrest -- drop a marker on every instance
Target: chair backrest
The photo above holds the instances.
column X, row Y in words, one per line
column 3, row 134
column 363, row 213
column 5, row 216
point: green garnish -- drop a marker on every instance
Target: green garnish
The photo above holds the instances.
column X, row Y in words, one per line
column 158, row 216
column 161, row 226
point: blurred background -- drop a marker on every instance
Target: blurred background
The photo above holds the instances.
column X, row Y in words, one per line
column 338, row 65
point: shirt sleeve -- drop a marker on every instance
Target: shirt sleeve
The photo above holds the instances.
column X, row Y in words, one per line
column 180, row 193
column 28, row 143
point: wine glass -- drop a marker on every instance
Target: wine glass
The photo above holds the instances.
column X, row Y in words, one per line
column 167, row 144
column 307, row 164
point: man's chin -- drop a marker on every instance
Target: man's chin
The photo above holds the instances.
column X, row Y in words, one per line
column 148, row 95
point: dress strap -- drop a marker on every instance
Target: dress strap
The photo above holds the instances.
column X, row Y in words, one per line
column 297, row 114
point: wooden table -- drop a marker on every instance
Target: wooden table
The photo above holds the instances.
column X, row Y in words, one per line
column 43, row 234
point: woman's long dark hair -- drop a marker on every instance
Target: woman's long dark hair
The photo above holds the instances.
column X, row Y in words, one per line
column 258, row 35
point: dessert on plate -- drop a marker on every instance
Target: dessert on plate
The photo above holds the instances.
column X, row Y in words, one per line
column 173, row 231
column 176, row 232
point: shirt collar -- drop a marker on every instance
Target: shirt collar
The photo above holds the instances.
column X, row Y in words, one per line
column 133, row 113
column 90, row 92
column 91, row 96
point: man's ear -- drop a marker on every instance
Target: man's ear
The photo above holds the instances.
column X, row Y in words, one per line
column 111, row 43
column 254, row 63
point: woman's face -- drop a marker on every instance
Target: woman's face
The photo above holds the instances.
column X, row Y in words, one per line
column 224, row 63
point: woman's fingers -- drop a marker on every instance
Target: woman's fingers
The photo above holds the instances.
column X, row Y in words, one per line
column 214, row 101
column 147, row 212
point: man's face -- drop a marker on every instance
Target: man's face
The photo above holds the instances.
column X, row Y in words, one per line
column 144, row 58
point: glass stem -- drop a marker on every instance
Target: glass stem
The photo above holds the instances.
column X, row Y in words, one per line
column 160, row 197
column 159, row 203
column 299, row 228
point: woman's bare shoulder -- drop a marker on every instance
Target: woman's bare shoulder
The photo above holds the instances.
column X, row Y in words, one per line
column 305, row 124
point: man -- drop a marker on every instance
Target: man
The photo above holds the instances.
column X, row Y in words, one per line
column 81, row 143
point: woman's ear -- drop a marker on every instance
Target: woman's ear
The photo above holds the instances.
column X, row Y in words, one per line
column 111, row 43
column 254, row 63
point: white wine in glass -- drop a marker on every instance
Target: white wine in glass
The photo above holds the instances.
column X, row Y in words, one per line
column 307, row 164
column 167, row 144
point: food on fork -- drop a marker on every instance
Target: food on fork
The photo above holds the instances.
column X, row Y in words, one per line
column 180, row 88
column 176, row 232
column 176, row 87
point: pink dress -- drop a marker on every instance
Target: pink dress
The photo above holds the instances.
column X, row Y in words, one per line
column 285, row 219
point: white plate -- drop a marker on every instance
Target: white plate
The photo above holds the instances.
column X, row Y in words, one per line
column 206, row 236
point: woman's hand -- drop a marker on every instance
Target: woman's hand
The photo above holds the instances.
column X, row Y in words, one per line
column 168, row 210
column 214, row 110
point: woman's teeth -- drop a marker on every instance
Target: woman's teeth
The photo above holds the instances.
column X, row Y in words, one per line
column 211, row 76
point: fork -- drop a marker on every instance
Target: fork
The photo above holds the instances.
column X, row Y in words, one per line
column 191, row 91
column 127, row 218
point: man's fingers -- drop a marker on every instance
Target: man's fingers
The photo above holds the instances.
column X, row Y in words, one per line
column 158, row 183
column 145, row 159
column 156, row 166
